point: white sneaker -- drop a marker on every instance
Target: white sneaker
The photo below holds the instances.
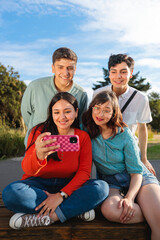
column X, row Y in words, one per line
column 22, row 220
column 88, row 216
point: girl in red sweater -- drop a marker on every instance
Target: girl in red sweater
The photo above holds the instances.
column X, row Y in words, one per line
column 55, row 185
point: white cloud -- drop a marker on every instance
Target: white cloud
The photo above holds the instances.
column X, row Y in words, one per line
column 29, row 6
column 31, row 63
column 90, row 71
column 31, row 59
column 88, row 64
column 25, row 59
column 27, row 82
column 89, row 93
column 134, row 22
column 149, row 62
column 106, row 27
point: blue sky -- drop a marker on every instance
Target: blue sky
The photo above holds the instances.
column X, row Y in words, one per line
column 31, row 30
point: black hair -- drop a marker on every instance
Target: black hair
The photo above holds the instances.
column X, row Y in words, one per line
column 119, row 58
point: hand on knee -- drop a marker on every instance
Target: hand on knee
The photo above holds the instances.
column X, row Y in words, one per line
column 110, row 212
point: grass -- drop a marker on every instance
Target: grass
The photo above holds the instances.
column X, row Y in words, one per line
column 153, row 151
column 11, row 143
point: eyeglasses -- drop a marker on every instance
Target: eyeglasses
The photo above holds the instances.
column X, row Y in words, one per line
column 98, row 110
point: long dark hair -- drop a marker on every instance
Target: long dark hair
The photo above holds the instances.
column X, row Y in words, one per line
column 49, row 125
column 115, row 121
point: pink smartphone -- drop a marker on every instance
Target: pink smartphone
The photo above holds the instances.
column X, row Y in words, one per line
column 67, row 142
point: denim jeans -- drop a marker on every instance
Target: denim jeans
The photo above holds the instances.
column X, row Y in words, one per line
column 25, row 195
column 122, row 180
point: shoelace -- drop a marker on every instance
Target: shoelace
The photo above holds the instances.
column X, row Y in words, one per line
column 33, row 220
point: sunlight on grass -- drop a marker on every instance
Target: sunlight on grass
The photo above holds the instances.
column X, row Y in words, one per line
column 153, row 152
column 11, row 143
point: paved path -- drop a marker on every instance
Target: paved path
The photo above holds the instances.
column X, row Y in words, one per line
column 10, row 170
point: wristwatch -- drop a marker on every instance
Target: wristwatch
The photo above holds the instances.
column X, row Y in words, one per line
column 64, row 195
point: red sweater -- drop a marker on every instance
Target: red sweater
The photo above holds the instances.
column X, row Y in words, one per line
column 74, row 165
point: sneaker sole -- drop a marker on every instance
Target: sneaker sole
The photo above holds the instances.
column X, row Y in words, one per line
column 87, row 218
column 13, row 219
column 92, row 216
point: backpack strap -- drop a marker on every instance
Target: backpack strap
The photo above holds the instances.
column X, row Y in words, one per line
column 128, row 101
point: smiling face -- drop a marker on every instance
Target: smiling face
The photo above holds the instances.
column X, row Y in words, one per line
column 64, row 70
column 63, row 114
column 120, row 75
column 102, row 113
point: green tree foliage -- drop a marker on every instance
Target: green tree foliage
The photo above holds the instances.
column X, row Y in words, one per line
column 136, row 82
column 11, row 92
column 154, row 100
column 105, row 82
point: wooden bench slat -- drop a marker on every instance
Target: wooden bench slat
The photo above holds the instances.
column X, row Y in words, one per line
column 74, row 229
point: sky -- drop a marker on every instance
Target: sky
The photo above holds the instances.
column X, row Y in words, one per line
column 31, row 30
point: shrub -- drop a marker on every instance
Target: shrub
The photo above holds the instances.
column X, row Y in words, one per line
column 11, row 143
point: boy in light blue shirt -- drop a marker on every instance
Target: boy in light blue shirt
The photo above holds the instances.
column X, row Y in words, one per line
column 39, row 93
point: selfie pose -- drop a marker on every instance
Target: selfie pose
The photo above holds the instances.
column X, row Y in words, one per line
column 134, row 192
column 55, row 185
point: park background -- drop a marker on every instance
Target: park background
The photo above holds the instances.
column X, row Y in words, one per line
column 31, row 30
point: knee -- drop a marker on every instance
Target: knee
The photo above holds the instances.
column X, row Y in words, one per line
column 102, row 188
column 10, row 194
column 7, row 195
column 109, row 211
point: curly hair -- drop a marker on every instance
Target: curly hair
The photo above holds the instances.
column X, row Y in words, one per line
column 115, row 121
column 119, row 58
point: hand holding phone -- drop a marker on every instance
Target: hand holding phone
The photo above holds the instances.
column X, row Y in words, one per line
column 67, row 142
column 41, row 151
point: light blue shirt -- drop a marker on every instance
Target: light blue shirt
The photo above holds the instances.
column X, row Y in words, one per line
column 37, row 97
column 114, row 155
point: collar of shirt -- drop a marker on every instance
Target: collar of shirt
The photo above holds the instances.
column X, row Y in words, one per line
column 124, row 95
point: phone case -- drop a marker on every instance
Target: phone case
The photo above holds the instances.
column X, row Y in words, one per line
column 67, row 142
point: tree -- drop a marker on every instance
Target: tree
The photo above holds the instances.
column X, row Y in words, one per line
column 11, row 92
column 136, row 82
column 105, row 82
column 154, row 100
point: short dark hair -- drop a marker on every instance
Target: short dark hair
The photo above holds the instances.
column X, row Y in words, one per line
column 119, row 58
column 115, row 121
column 64, row 53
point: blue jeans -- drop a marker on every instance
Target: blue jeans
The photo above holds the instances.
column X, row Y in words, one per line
column 25, row 195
